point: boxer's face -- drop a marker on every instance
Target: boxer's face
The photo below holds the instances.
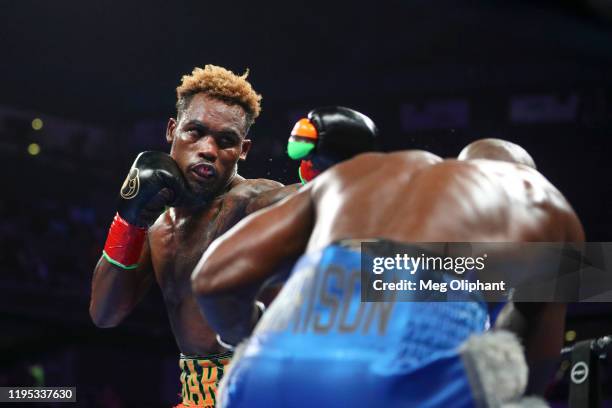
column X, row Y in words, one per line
column 208, row 138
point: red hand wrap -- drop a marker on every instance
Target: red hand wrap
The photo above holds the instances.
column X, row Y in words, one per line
column 124, row 243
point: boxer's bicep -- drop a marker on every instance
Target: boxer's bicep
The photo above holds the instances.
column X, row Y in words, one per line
column 249, row 253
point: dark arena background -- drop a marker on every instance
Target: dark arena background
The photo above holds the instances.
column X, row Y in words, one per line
column 85, row 86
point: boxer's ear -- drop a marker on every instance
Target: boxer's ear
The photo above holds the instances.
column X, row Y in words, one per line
column 245, row 148
column 170, row 130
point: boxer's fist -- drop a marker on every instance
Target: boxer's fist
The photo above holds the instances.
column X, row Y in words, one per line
column 342, row 132
column 154, row 182
column 335, row 132
column 328, row 136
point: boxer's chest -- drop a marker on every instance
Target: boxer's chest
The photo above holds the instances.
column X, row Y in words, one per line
column 178, row 244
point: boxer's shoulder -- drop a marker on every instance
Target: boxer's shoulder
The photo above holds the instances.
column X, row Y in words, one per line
column 517, row 178
column 375, row 160
column 384, row 166
column 538, row 207
column 252, row 188
column 163, row 222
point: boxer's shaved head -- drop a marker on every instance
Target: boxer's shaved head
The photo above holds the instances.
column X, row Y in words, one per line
column 496, row 149
column 222, row 84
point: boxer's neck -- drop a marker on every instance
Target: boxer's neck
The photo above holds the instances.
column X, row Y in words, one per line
column 206, row 202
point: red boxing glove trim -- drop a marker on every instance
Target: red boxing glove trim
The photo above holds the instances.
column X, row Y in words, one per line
column 124, row 243
column 307, row 172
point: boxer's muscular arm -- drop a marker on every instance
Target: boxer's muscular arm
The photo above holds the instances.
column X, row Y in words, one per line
column 541, row 325
column 115, row 291
column 124, row 272
column 249, row 252
column 263, row 200
column 232, row 270
column 517, row 316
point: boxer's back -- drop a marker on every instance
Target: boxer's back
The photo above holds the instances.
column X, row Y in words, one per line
column 320, row 344
column 414, row 196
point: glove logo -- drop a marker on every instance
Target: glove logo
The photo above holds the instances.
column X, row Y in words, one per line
column 579, row 373
column 131, row 185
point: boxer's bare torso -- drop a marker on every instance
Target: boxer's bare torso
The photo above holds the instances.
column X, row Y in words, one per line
column 208, row 138
column 176, row 242
column 178, row 239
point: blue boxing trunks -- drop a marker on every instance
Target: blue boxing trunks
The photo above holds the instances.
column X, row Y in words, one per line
column 319, row 345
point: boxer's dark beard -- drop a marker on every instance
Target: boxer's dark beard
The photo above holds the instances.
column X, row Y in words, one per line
column 203, row 194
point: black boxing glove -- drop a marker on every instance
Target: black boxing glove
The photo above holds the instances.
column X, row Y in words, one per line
column 342, row 132
column 330, row 135
column 154, row 182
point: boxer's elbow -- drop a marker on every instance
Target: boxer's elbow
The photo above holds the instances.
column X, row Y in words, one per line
column 100, row 321
column 104, row 320
column 104, row 324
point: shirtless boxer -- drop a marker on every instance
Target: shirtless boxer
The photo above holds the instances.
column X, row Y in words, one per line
column 215, row 110
column 540, row 325
column 303, row 351
column 204, row 195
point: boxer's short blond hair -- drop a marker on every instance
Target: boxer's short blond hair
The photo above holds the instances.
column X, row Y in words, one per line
column 220, row 83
